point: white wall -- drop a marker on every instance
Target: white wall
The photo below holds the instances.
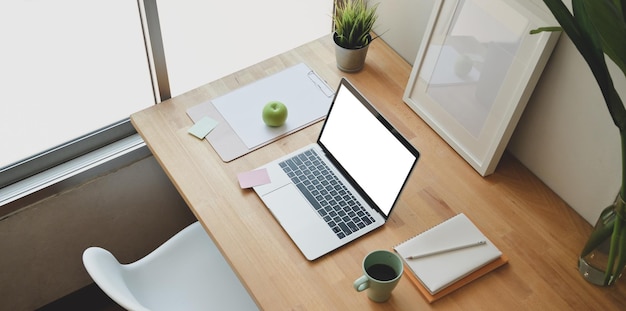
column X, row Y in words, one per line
column 401, row 24
column 565, row 136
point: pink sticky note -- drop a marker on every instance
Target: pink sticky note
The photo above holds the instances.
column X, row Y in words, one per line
column 253, row 178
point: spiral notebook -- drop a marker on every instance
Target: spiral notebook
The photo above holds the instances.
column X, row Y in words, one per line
column 445, row 271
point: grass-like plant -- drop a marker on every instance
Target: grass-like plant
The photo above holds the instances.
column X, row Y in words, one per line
column 354, row 21
column 598, row 28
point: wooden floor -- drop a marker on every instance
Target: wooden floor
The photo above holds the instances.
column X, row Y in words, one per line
column 89, row 298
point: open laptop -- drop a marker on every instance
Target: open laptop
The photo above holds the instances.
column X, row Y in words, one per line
column 370, row 162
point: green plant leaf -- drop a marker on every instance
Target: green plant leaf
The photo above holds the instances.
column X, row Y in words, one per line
column 608, row 18
column 354, row 21
column 621, row 255
column 596, row 238
column 583, row 10
column 581, row 31
column 542, row 29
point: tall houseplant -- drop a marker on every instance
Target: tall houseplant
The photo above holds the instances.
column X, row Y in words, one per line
column 598, row 28
column 353, row 21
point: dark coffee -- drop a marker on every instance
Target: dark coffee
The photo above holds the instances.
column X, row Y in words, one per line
column 381, row 272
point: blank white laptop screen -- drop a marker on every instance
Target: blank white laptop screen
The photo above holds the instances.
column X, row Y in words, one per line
column 366, row 149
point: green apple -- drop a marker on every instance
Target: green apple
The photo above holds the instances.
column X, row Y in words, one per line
column 274, row 113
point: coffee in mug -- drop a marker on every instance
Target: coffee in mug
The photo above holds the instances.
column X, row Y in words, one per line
column 382, row 270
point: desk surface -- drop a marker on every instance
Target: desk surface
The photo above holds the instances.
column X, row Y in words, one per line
column 539, row 233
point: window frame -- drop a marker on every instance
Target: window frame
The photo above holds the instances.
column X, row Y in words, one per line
column 65, row 152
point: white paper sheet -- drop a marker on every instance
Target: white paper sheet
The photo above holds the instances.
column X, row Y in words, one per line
column 306, row 96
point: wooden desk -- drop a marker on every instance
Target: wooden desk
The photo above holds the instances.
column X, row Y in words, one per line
column 541, row 235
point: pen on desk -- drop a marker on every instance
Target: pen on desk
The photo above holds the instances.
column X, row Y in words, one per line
column 445, row 250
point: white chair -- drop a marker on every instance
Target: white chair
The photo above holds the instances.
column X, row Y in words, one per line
column 187, row 272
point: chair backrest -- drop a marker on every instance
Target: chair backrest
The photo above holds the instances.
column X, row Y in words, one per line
column 107, row 272
column 187, row 272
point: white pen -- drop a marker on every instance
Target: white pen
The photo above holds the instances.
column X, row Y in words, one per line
column 445, row 250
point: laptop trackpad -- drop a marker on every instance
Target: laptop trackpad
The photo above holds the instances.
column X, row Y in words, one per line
column 291, row 209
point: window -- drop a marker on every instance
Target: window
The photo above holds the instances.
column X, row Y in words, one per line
column 69, row 68
column 206, row 40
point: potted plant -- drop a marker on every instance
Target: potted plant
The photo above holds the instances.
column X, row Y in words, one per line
column 598, row 28
column 353, row 21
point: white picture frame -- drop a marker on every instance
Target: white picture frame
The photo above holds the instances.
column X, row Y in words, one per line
column 475, row 70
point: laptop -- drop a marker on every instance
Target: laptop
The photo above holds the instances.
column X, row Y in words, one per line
column 345, row 185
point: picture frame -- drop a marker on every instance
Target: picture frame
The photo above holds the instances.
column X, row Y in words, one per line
column 475, row 70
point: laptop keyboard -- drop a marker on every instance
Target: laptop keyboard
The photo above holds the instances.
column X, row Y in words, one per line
column 330, row 198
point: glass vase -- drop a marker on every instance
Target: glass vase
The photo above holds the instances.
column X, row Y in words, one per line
column 602, row 260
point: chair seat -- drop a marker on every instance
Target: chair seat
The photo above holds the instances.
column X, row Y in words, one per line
column 187, row 272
